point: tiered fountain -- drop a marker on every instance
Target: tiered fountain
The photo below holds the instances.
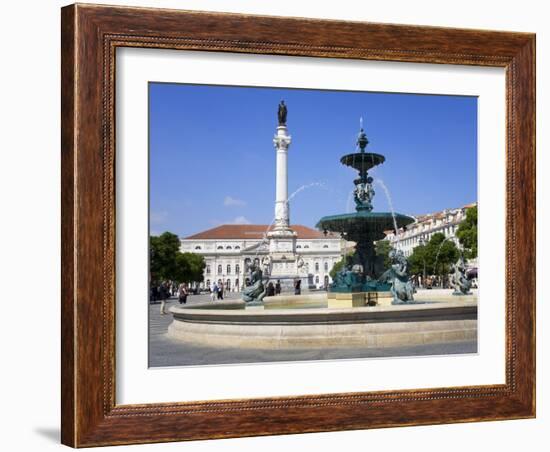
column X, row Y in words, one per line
column 364, row 227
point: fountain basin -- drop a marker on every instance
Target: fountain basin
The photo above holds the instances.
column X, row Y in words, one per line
column 362, row 161
column 379, row 326
column 370, row 225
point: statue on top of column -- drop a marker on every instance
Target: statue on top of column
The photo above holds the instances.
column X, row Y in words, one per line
column 282, row 112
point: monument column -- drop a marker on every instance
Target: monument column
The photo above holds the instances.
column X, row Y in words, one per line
column 282, row 142
column 284, row 262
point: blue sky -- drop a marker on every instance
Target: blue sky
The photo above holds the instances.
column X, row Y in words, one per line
column 212, row 159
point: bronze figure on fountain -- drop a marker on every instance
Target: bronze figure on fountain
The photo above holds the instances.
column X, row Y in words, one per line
column 459, row 281
column 256, row 291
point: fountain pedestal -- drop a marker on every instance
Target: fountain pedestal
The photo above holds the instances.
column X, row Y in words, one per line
column 345, row 300
column 337, row 300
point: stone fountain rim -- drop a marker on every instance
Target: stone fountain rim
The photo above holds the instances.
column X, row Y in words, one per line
column 397, row 313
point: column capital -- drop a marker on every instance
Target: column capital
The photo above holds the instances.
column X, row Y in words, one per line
column 282, row 139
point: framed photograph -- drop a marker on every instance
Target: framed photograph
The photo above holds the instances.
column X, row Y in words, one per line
column 282, row 225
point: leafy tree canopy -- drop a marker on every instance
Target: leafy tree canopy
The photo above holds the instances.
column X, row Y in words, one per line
column 434, row 258
column 337, row 267
column 383, row 248
column 189, row 267
column 168, row 263
column 467, row 233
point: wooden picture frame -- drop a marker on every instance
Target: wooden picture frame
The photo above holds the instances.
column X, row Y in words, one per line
column 90, row 36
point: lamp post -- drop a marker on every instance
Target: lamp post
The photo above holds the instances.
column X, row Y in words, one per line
column 422, row 243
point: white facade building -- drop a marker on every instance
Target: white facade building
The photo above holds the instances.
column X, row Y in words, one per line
column 228, row 249
column 425, row 226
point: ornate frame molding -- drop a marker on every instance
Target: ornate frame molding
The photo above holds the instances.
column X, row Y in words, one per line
column 90, row 36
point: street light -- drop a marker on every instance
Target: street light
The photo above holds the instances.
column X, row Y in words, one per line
column 422, row 242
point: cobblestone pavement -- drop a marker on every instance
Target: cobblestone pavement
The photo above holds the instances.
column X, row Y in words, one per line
column 158, row 324
column 165, row 352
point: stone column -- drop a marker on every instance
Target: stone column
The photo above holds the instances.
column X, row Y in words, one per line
column 282, row 142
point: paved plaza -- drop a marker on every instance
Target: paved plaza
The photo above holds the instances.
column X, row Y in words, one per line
column 165, row 351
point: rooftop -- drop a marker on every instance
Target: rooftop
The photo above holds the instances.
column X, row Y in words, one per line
column 442, row 213
column 254, row 231
column 428, row 217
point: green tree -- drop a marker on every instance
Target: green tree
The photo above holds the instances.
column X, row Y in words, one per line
column 418, row 264
column 337, row 267
column 163, row 251
column 467, row 233
column 189, row 267
column 382, row 248
column 434, row 258
column 444, row 253
column 167, row 262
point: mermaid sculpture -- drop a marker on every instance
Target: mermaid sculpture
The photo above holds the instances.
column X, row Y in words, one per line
column 256, row 291
column 459, row 281
column 348, row 278
column 402, row 288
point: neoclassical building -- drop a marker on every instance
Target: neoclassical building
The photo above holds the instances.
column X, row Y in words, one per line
column 228, row 249
column 426, row 226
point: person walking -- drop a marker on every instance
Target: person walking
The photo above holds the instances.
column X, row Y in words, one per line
column 154, row 292
column 297, row 287
column 220, row 291
column 182, row 293
column 213, row 291
column 163, row 295
column 278, row 287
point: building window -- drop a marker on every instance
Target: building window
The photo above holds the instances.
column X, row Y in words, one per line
column 298, row 246
column 228, row 284
column 317, row 267
column 237, row 270
column 220, row 247
column 207, row 283
column 198, row 247
column 208, row 269
column 219, row 269
column 317, row 279
column 237, row 247
column 326, row 266
column 228, row 269
column 325, row 246
column 237, row 284
column 306, row 246
column 228, row 248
